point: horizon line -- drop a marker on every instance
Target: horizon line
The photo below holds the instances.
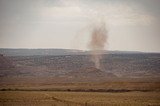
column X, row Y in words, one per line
column 85, row 50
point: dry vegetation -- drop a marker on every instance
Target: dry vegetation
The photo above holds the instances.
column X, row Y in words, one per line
column 45, row 98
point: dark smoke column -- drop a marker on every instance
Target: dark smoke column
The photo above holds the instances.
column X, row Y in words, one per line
column 97, row 42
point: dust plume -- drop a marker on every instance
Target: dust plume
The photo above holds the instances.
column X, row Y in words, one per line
column 97, row 42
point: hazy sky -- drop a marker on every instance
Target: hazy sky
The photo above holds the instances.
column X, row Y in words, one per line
column 132, row 25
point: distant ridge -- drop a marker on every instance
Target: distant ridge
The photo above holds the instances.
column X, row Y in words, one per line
column 32, row 52
column 56, row 52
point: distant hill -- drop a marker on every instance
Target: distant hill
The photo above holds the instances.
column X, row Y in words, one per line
column 33, row 52
column 80, row 67
column 54, row 52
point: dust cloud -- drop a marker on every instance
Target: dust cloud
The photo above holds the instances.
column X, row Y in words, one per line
column 97, row 42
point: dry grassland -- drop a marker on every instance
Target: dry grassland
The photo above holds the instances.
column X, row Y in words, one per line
column 52, row 98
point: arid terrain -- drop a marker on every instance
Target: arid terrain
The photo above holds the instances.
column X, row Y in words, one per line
column 45, row 98
column 69, row 77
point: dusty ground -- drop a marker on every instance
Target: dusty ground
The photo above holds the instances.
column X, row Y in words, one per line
column 50, row 98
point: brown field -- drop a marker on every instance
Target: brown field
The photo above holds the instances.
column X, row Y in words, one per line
column 52, row 98
column 81, row 94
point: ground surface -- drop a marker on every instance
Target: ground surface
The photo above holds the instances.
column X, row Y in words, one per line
column 52, row 98
column 70, row 78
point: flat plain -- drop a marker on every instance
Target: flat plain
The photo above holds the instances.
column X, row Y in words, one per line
column 52, row 98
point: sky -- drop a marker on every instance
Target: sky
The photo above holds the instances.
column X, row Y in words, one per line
column 132, row 25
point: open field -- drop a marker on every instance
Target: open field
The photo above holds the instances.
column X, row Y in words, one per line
column 43, row 98
column 125, row 79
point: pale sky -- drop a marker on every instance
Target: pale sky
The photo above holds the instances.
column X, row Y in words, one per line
column 133, row 25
